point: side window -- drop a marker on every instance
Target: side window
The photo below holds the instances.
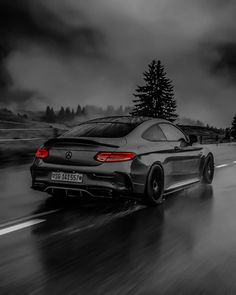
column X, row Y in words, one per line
column 172, row 133
column 154, row 133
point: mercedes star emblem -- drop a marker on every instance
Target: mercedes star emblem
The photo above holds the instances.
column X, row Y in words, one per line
column 68, row 155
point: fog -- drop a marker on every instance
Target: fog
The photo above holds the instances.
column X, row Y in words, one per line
column 94, row 52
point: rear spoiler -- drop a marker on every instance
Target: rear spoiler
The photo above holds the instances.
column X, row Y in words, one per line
column 68, row 140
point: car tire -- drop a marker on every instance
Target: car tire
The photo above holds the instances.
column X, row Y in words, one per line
column 154, row 186
column 208, row 171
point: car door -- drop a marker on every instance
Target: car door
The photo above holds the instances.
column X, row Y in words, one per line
column 186, row 158
column 158, row 150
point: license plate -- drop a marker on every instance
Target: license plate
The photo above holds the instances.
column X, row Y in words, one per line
column 67, row 177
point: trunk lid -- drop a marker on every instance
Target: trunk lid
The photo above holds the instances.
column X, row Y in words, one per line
column 80, row 151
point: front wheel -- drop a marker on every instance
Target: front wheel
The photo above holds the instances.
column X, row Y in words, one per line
column 208, row 171
column 154, row 186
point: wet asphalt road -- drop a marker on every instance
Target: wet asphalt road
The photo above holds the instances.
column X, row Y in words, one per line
column 185, row 246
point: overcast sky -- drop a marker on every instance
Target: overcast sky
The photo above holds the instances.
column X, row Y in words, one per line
column 65, row 52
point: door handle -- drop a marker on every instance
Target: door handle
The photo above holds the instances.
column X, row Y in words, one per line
column 177, row 148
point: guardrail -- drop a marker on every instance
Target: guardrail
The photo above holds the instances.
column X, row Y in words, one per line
column 20, row 144
column 28, row 134
column 19, row 139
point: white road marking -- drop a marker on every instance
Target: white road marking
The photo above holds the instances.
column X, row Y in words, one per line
column 26, row 218
column 222, row 165
column 19, row 139
column 24, row 129
column 107, row 218
column 80, row 229
column 16, row 227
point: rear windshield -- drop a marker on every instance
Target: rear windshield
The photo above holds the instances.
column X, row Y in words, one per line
column 101, row 129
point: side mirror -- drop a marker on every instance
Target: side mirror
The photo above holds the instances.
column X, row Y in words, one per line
column 184, row 142
column 193, row 138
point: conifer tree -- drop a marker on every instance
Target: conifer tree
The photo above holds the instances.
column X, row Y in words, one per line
column 49, row 115
column 61, row 114
column 47, row 112
column 156, row 97
column 233, row 128
column 84, row 111
column 78, row 111
column 67, row 113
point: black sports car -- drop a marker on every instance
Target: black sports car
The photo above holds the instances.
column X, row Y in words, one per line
column 132, row 157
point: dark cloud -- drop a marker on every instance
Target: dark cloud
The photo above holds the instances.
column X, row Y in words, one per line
column 225, row 63
column 21, row 97
column 215, row 4
column 33, row 20
column 94, row 51
column 27, row 22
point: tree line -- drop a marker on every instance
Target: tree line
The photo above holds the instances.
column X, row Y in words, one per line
column 233, row 127
column 66, row 114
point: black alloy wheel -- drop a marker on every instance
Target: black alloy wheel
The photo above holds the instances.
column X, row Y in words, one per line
column 208, row 172
column 154, row 186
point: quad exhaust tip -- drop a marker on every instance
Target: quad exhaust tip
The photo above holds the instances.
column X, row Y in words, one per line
column 79, row 190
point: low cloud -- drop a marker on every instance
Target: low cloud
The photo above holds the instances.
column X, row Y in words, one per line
column 74, row 52
column 225, row 61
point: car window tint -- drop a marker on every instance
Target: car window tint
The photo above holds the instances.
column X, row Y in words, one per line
column 172, row 133
column 100, row 129
column 154, row 133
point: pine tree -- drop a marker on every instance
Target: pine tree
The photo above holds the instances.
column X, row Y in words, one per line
column 84, row 111
column 119, row 111
column 67, row 114
column 110, row 110
column 49, row 115
column 227, row 133
column 52, row 115
column 233, row 128
column 72, row 114
column 78, row 111
column 156, row 97
column 61, row 114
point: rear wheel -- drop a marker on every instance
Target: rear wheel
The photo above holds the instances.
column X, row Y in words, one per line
column 208, row 172
column 154, row 186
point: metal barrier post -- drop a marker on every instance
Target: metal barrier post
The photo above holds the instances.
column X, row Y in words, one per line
column 201, row 139
column 55, row 132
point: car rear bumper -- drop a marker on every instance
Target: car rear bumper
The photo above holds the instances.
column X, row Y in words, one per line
column 94, row 183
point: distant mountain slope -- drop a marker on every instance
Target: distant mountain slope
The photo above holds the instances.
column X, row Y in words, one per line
column 7, row 115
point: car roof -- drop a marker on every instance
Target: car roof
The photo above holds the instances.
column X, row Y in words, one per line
column 133, row 120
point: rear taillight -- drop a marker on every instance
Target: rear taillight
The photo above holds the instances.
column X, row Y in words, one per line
column 114, row 156
column 42, row 153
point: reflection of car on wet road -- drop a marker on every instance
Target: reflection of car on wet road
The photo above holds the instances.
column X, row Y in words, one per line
column 121, row 157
